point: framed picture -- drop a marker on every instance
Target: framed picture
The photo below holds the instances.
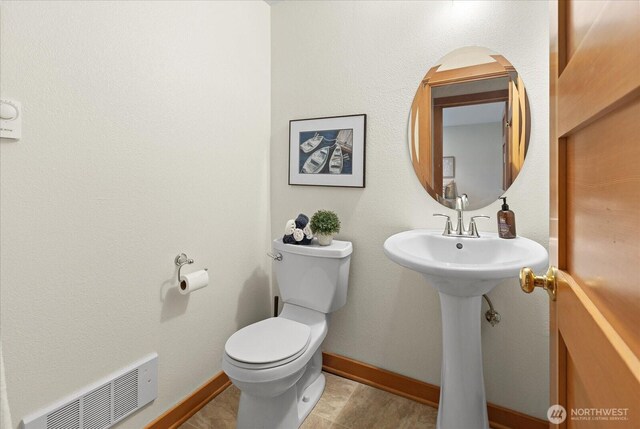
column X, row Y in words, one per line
column 327, row 151
column 449, row 167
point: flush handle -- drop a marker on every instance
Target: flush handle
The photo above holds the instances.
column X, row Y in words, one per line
column 529, row 281
column 276, row 257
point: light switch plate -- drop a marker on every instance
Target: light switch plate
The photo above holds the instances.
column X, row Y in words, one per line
column 10, row 119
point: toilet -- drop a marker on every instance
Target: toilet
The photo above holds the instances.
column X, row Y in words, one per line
column 277, row 363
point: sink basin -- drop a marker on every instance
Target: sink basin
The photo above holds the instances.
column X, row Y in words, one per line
column 464, row 266
column 462, row 269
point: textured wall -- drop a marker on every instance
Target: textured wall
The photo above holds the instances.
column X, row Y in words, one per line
column 332, row 58
column 145, row 133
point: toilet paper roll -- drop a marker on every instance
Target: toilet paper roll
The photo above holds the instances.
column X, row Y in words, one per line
column 193, row 281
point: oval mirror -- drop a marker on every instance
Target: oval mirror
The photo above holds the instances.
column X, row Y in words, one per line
column 469, row 127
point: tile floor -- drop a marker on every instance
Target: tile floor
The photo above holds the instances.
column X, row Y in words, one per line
column 345, row 404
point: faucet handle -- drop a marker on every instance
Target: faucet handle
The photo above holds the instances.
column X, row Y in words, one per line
column 473, row 230
column 447, row 226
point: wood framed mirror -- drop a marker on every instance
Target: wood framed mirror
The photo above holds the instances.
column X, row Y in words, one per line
column 469, row 127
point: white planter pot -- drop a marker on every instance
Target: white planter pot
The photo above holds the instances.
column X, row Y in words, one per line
column 325, row 240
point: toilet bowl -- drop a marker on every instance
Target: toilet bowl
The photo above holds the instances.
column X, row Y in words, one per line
column 277, row 362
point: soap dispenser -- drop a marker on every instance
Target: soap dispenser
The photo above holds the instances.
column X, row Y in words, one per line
column 506, row 221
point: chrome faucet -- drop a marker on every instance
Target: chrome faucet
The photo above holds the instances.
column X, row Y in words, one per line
column 459, row 231
column 461, row 203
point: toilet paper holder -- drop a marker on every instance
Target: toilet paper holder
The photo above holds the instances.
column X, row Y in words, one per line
column 181, row 260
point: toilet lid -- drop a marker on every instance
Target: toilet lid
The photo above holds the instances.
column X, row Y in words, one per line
column 270, row 340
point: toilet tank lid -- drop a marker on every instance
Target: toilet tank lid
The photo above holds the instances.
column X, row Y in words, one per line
column 337, row 249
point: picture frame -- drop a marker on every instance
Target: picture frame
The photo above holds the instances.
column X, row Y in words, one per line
column 328, row 151
column 448, row 167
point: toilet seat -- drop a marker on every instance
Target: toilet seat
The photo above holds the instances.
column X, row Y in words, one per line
column 268, row 343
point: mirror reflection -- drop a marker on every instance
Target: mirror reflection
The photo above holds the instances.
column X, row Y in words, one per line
column 469, row 127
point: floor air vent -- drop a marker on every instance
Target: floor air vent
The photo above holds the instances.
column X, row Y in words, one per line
column 102, row 404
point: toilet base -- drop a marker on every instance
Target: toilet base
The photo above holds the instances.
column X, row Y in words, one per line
column 286, row 411
column 310, row 397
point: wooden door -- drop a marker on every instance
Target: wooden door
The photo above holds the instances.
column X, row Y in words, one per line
column 595, row 213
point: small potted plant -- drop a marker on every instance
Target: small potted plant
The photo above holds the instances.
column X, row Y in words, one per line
column 325, row 225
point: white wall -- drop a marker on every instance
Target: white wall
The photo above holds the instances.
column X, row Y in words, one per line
column 477, row 149
column 145, row 133
column 333, row 58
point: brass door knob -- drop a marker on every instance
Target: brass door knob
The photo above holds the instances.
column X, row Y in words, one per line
column 529, row 281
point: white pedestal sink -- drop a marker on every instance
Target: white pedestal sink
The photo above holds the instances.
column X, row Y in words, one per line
column 462, row 270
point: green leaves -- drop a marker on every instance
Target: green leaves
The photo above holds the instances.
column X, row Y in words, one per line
column 325, row 222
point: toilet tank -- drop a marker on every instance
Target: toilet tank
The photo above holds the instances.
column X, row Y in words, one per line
column 313, row 276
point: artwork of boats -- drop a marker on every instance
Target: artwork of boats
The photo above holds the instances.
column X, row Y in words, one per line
column 336, row 161
column 312, row 143
column 316, row 162
column 345, row 140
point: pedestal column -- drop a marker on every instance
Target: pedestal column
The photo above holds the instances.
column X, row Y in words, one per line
column 462, row 398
